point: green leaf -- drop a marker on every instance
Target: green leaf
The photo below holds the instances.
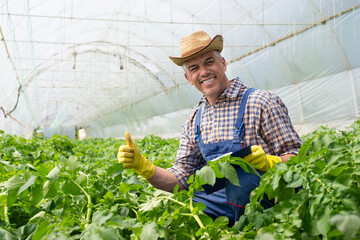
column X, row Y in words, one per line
column 109, row 195
column 221, row 221
column 40, row 215
column 114, row 170
column 258, row 221
column 149, row 232
column 28, row 183
column 275, row 182
column 297, row 183
column 285, row 194
column 107, row 233
column 11, row 196
column 176, row 189
column 207, row 174
column 127, row 223
column 73, row 164
column 14, row 182
column 218, row 174
column 229, row 172
column 323, row 224
column 42, row 169
column 30, row 166
column 41, row 231
column 17, row 155
column 336, row 171
column 265, row 236
column 5, row 235
column 125, row 187
column 191, row 179
column 357, row 159
column 347, row 224
column 54, row 174
column 288, row 175
column 243, row 220
column 315, row 202
column 326, row 140
column 49, row 189
column 36, row 194
column 71, row 188
column 316, row 144
column 247, row 167
column 149, row 206
column 337, row 147
column 303, row 150
column 206, row 220
column 82, row 178
column 27, row 230
column 2, row 169
column 100, row 217
column 133, row 180
column 46, row 187
column 199, row 206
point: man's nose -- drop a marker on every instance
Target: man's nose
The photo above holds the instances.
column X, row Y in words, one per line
column 204, row 71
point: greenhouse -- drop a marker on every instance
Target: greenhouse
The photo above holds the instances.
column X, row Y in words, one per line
column 105, row 66
column 94, row 70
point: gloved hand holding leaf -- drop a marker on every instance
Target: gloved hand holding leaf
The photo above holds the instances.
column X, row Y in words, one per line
column 260, row 160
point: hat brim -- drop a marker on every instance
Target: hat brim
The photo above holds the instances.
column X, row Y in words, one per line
column 215, row 44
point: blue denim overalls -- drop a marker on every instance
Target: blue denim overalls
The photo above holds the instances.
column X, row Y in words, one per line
column 231, row 200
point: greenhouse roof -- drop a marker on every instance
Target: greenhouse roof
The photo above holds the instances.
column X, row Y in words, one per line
column 104, row 65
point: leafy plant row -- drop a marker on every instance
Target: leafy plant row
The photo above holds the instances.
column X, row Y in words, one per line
column 67, row 189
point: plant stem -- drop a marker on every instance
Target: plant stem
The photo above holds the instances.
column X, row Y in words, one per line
column 186, row 214
column 297, row 209
column 7, row 221
column 198, row 220
column 176, row 201
column 326, row 188
column 89, row 208
column 196, row 217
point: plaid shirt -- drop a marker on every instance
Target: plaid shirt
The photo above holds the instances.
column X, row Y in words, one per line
column 266, row 123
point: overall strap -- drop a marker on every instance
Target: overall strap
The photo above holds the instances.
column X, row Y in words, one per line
column 239, row 125
column 197, row 126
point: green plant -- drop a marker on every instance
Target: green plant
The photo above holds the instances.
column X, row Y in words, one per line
column 317, row 193
column 67, row 189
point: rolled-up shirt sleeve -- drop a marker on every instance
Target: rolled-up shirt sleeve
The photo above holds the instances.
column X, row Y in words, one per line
column 277, row 129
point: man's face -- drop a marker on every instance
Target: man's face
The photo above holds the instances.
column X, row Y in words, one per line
column 207, row 73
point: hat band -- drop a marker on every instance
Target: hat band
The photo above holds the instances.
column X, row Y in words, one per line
column 192, row 51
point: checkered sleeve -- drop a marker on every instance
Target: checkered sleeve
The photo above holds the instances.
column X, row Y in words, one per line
column 188, row 158
column 276, row 126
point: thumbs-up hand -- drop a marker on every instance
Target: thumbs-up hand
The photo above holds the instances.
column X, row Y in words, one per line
column 131, row 157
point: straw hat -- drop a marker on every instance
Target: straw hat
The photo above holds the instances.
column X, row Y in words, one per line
column 196, row 44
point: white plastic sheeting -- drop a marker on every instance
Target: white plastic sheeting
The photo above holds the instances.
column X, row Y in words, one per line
column 104, row 66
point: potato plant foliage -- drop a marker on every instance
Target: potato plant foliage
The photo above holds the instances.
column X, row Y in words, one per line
column 67, row 189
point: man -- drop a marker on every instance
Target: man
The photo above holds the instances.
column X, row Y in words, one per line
column 229, row 116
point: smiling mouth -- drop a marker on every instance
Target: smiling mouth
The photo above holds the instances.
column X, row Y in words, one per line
column 207, row 81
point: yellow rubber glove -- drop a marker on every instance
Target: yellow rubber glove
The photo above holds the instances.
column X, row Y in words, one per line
column 131, row 157
column 260, row 160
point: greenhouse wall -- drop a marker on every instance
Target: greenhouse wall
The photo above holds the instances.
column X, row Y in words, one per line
column 105, row 66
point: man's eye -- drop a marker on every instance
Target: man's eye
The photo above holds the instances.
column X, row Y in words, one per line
column 193, row 69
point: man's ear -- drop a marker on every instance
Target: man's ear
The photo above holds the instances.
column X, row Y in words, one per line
column 187, row 78
column 223, row 61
